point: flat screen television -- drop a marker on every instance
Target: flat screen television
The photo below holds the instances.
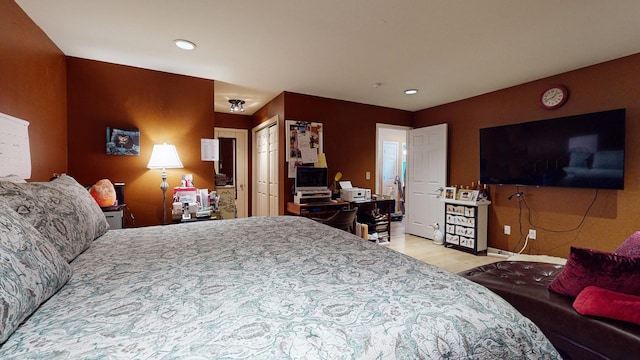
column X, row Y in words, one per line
column 309, row 178
column 582, row 151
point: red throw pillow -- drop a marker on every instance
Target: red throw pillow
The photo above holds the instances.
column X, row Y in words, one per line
column 598, row 268
column 631, row 246
column 610, row 304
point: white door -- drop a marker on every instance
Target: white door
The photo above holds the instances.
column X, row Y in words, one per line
column 273, row 170
column 261, row 205
column 240, row 169
column 426, row 173
column 390, row 153
column 265, row 169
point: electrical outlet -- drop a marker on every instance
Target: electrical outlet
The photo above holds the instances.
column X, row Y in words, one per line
column 532, row 234
column 367, row 175
column 507, row 230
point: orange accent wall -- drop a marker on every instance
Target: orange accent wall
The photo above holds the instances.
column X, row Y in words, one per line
column 179, row 109
column 164, row 107
column 33, row 88
column 349, row 134
column 615, row 214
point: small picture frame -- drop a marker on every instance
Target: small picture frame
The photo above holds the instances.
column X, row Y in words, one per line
column 123, row 142
column 467, row 195
column 450, row 193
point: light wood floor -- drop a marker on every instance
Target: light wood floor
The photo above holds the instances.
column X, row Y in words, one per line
column 438, row 255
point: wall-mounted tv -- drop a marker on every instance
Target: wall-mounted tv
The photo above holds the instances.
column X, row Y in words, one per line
column 309, row 178
column 582, row 151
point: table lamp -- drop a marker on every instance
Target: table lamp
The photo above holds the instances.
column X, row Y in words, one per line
column 164, row 156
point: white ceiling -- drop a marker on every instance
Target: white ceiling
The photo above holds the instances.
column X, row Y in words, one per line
column 255, row 49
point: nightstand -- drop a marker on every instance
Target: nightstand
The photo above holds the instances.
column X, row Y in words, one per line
column 115, row 216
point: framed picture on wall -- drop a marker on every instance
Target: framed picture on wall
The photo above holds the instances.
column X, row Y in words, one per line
column 123, row 142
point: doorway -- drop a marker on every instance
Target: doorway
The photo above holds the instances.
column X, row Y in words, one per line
column 391, row 162
column 232, row 166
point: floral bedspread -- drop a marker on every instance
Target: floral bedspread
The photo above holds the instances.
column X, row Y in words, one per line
column 267, row 288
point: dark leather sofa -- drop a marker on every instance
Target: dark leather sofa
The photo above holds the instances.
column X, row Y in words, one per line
column 525, row 286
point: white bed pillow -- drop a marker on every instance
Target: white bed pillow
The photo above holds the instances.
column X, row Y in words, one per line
column 62, row 210
column 13, row 178
column 32, row 270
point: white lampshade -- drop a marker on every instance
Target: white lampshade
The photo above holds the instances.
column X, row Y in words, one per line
column 164, row 156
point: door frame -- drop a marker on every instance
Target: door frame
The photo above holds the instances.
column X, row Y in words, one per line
column 379, row 141
column 240, row 177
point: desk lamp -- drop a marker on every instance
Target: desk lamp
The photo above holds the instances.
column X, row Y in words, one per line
column 164, row 156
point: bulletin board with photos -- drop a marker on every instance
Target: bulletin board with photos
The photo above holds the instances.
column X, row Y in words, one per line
column 305, row 144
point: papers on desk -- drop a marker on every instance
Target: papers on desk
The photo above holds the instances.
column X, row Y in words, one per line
column 345, row 184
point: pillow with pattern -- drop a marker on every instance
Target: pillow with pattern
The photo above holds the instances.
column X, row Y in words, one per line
column 32, row 270
column 631, row 246
column 586, row 267
column 62, row 210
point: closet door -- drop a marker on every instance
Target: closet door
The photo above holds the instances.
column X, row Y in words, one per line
column 273, row 170
column 261, row 207
column 265, row 169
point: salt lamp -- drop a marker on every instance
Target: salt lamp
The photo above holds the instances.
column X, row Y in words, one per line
column 104, row 193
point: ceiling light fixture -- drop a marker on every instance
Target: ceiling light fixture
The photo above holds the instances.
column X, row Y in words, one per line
column 184, row 44
column 411, row 91
column 236, row 105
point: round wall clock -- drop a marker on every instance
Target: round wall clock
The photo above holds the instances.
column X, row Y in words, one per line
column 554, row 97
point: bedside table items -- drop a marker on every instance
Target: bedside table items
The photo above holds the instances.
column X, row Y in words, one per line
column 114, row 215
column 190, row 203
column 104, row 193
column 164, row 156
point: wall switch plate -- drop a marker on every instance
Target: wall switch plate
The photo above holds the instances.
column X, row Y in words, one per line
column 532, row 234
column 507, row 230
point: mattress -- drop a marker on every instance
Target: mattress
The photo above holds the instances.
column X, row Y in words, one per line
column 267, row 287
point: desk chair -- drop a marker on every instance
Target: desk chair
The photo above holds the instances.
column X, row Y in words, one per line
column 342, row 219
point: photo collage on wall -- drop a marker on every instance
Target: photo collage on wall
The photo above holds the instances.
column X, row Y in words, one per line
column 305, row 144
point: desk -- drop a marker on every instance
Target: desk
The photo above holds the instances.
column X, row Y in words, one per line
column 321, row 210
column 375, row 213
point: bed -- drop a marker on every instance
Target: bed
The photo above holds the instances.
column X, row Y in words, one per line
column 256, row 288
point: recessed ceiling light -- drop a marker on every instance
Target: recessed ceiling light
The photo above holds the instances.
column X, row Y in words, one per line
column 184, row 44
column 411, row 91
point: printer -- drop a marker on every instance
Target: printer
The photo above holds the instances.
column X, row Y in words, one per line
column 353, row 194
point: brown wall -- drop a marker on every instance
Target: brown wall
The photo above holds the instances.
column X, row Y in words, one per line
column 349, row 134
column 165, row 107
column 178, row 109
column 33, row 88
column 615, row 214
